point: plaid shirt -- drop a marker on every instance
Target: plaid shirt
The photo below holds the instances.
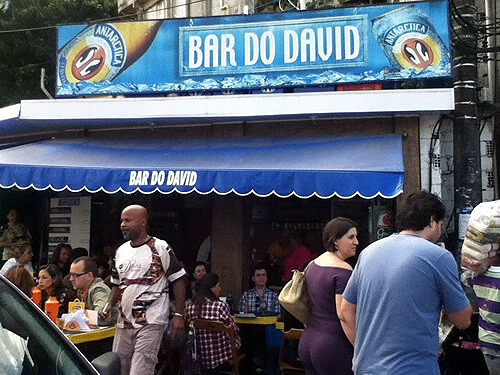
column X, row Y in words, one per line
column 215, row 347
column 251, row 302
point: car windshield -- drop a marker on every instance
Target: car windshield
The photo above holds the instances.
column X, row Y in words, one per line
column 32, row 344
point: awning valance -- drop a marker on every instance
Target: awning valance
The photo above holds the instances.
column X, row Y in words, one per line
column 48, row 117
column 321, row 166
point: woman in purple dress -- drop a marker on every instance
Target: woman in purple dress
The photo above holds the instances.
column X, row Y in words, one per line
column 324, row 348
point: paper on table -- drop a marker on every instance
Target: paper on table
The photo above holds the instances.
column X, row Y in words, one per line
column 245, row 315
column 92, row 315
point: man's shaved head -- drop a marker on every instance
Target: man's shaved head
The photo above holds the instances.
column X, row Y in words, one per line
column 137, row 210
column 134, row 223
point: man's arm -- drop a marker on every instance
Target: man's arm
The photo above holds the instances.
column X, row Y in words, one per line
column 113, row 298
column 179, row 289
column 100, row 296
column 276, row 304
column 347, row 316
column 98, row 300
column 460, row 318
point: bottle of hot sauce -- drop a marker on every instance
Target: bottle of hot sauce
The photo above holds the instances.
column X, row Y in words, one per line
column 36, row 296
column 52, row 308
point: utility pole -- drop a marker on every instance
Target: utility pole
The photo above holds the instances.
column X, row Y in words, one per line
column 466, row 134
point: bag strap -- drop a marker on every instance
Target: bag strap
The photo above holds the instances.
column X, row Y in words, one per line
column 308, row 265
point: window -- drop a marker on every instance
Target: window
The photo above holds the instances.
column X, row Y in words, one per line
column 51, row 352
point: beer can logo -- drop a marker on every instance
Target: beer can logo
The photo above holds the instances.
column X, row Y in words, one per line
column 97, row 53
column 408, row 39
column 385, row 220
column 88, row 62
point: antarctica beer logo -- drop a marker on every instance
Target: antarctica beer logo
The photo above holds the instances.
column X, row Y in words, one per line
column 409, row 39
column 96, row 54
column 102, row 51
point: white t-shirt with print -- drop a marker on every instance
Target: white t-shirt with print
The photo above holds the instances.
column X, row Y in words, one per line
column 143, row 273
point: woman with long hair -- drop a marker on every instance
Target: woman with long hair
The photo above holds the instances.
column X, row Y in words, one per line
column 62, row 258
column 51, row 284
column 324, row 348
column 215, row 347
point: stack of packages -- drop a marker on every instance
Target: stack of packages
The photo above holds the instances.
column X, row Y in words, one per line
column 481, row 246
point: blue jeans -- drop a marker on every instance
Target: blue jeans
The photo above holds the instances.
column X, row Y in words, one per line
column 492, row 359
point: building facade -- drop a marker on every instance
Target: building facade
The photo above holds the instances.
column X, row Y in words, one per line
column 241, row 221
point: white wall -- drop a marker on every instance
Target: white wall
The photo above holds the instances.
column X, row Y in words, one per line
column 442, row 182
column 487, row 161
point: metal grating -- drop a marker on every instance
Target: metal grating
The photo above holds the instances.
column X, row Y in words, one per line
column 490, row 179
column 436, row 161
column 489, row 149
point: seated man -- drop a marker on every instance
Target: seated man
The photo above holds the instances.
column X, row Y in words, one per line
column 90, row 288
column 259, row 300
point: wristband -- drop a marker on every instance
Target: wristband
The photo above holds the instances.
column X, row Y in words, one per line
column 178, row 314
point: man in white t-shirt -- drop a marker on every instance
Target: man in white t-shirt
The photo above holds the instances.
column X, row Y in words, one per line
column 145, row 266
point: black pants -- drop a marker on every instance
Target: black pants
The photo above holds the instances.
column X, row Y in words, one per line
column 221, row 369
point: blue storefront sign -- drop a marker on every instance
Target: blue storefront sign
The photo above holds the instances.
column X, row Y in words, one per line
column 272, row 50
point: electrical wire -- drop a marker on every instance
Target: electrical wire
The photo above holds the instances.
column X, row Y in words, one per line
column 480, row 32
column 138, row 13
column 434, row 137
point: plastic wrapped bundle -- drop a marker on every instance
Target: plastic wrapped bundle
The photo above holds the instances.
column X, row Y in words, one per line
column 481, row 246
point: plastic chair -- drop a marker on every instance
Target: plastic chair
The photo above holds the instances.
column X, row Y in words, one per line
column 295, row 335
column 214, row 325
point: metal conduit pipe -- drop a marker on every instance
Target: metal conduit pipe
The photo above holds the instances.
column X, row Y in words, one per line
column 490, row 13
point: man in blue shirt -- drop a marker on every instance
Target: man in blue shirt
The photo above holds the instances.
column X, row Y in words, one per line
column 398, row 288
column 259, row 300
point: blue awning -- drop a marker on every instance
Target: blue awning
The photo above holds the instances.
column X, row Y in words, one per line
column 322, row 166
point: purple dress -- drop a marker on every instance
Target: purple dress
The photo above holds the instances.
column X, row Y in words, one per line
column 324, row 348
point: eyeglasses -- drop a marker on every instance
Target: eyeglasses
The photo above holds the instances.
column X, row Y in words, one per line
column 77, row 275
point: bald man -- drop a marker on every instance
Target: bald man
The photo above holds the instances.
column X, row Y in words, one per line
column 144, row 268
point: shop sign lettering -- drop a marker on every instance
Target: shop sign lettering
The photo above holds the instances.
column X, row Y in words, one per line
column 256, row 47
column 159, row 178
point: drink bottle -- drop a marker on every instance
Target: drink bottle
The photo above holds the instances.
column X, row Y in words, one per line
column 36, row 296
column 229, row 301
column 52, row 308
column 100, row 52
column 408, row 39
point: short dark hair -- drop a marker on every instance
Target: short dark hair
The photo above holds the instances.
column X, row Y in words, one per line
column 89, row 265
column 200, row 263
column 334, row 230
column 78, row 252
column 259, row 266
column 416, row 210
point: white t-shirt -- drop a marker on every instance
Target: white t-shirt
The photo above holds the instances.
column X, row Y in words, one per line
column 143, row 273
column 14, row 262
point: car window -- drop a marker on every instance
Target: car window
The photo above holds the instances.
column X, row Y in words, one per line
column 50, row 351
